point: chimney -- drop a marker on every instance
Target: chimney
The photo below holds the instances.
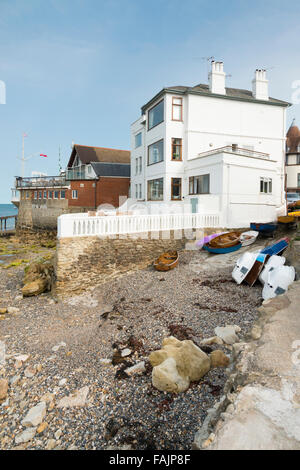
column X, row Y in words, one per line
column 216, row 78
column 260, row 85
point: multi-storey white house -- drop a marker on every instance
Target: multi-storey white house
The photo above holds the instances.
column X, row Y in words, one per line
column 211, row 149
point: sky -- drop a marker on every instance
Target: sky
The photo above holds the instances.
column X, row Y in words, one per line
column 80, row 70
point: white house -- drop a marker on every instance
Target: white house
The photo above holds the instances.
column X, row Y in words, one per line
column 211, row 149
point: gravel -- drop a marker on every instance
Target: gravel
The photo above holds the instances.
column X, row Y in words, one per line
column 135, row 312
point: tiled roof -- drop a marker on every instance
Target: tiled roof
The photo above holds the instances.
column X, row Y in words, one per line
column 112, row 169
column 99, row 154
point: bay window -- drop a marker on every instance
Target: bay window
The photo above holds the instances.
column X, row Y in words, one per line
column 156, row 115
column 156, row 189
column 156, row 152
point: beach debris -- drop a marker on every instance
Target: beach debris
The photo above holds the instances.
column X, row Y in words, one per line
column 177, row 364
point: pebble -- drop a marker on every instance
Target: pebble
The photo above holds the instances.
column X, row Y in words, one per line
column 3, row 388
column 78, row 398
column 58, row 346
column 35, row 415
column 25, row 436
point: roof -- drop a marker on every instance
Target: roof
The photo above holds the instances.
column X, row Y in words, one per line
column 112, row 169
column 231, row 93
column 293, row 138
column 89, row 154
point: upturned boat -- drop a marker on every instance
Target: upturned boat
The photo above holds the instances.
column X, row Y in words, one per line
column 166, row 261
column 264, row 228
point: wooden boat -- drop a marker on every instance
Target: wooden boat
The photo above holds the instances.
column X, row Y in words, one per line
column 223, row 250
column 264, row 228
column 166, row 261
column 247, row 238
column 226, row 240
column 208, row 238
column 294, row 214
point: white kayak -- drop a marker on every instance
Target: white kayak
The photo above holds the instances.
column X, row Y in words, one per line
column 243, row 265
column 247, row 238
column 279, row 279
column 273, row 262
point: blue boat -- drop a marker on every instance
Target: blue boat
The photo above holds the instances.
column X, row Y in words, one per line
column 264, row 228
column 219, row 251
column 277, row 248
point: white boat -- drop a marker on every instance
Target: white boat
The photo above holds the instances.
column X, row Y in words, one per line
column 247, row 238
column 273, row 262
column 243, row 265
column 278, row 281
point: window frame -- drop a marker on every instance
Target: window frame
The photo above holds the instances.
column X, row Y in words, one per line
column 74, row 191
column 176, row 145
column 148, row 189
column 192, row 179
column 151, row 109
column 179, row 106
column 180, row 188
column 151, row 145
column 135, row 139
column 265, row 182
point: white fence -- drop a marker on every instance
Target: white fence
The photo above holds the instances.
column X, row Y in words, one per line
column 82, row 225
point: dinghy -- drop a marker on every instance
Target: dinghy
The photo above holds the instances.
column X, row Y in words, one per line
column 278, row 281
column 166, row 261
column 264, row 228
column 226, row 240
column 247, row 238
column 243, row 265
column 224, row 250
column 207, row 239
column 273, row 262
column 256, row 269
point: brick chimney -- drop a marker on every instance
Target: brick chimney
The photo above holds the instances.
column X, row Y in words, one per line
column 216, row 78
column 260, row 85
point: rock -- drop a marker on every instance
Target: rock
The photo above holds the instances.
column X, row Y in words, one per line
column 35, row 415
column 76, row 399
column 42, row 427
column 22, row 357
column 208, row 441
column 138, row 368
column 126, row 352
column 62, row 382
column 3, row 388
column 218, row 359
column 30, row 371
column 34, row 288
column 256, row 332
column 48, row 397
column 15, row 380
column 105, row 362
column 57, row 434
column 58, row 346
column 13, row 310
column 3, row 311
column 228, row 333
column 51, row 443
column 25, row 436
column 177, row 364
column 212, row 340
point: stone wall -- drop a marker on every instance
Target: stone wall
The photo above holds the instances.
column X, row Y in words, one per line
column 83, row 262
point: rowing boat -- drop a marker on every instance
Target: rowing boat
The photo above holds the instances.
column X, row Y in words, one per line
column 247, row 238
column 264, row 228
column 224, row 250
column 226, row 240
column 166, row 261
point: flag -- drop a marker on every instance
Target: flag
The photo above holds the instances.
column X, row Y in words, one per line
column 42, row 155
column 25, row 135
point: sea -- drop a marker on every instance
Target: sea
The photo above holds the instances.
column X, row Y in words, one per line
column 8, row 209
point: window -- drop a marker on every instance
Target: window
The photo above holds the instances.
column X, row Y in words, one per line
column 136, row 191
column 141, row 165
column 199, row 184
column 175, row 189
column 140, row 191
column 89, row 168
column 35, row 194
column 298, row 159
column 156, row 190
column 176, row 109
column 156, row 115
column 298, row 180
column 45, row 194
column 176, row 149
column 74, row 194
column 50, row 194
column 27, row 194
column 156, row 152
column 63, row 194
column 266, row 185
column 138, row 140
column 136, row 166
column 40, row 194
column 56, row 194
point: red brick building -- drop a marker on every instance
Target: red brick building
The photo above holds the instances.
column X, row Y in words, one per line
column 94, row 176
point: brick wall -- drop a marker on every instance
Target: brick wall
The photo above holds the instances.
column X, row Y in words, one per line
column 88, row 261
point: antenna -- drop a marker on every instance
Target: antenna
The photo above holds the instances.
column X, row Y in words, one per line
column 208, row 60
column 59, row 161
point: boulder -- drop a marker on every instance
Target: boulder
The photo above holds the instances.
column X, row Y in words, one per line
column 218, row 359
column 34, row 288
column 3, row 388
column 188, row 364
column 212, row 340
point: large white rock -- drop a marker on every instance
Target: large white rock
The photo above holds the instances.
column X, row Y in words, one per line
column 25, row 436
column 228, row 333
column 78, row 398
column 35, row 415
column 165, row 377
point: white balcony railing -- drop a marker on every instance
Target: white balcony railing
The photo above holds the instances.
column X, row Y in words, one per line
column 82, row 225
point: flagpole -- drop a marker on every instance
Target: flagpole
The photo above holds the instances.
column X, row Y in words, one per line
column 23, row 157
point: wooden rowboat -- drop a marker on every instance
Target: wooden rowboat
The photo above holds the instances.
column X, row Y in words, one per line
column 218, row 251
column 166, row 261
column 286, row 219
column 226, row 240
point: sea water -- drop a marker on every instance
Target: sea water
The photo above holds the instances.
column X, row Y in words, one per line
column 8, row 209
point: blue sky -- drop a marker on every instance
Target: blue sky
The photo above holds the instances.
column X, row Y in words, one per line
column 79, row 70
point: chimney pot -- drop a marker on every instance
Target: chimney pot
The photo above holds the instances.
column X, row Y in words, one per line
column 216, row 78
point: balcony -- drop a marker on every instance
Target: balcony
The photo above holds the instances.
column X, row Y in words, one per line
column 83, row 172
column 234, row 149
column 41, row 182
